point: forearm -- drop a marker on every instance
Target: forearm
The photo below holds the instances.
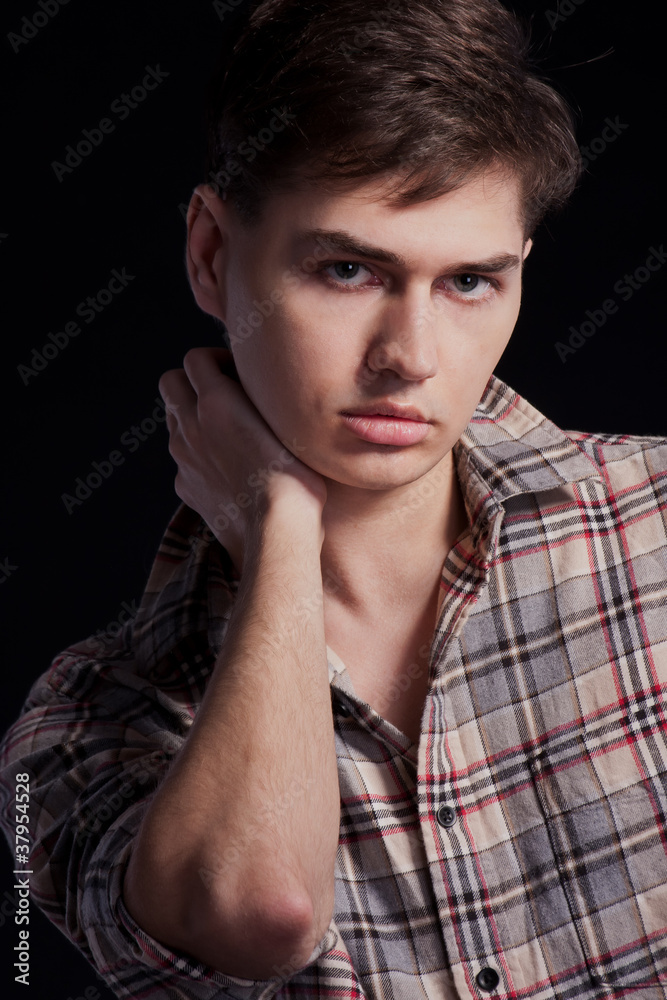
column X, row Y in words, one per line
column 242, row 833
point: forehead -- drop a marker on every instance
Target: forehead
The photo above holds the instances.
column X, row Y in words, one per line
column 480, row 217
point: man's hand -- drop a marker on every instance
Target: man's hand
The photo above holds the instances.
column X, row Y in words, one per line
column 234, row 861
column 228, row 458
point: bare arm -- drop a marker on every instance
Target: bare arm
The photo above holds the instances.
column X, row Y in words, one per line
column 234, row 861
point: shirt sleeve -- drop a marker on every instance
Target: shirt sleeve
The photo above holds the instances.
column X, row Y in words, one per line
column 95, row 737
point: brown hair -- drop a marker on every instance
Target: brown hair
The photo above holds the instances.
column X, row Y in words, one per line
column 432, row 91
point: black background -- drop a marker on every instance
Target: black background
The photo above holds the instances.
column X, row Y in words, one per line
column 69, row 573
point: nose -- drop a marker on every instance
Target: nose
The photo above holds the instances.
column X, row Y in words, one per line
column 406, row 341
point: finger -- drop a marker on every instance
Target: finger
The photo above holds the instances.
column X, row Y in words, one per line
column 176, row 390
column 207, row 368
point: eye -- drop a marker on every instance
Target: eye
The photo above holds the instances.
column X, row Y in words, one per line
column 344, row 273
column 349, row 275
column 470, row 286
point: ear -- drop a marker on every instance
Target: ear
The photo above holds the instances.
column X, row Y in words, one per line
column 526, row 249
column 207, row 250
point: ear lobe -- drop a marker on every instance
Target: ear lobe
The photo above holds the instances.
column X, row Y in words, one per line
column 206, row 250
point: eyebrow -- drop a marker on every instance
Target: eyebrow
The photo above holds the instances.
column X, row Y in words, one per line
column 339, row 241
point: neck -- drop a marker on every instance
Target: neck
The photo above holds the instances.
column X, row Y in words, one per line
column 390, row 544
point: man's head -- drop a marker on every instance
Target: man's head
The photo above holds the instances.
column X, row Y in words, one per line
column 429, row 93
column 369, row 256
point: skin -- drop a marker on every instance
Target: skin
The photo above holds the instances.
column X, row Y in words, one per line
column 324, row 559
column 345, row 337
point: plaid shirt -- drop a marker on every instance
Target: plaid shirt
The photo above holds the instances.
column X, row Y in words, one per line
column 518, row 851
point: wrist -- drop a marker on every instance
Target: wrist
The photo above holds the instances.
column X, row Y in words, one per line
column 289, row 497
column 289, row 522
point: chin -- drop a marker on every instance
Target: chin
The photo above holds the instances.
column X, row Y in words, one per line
column 378, row 479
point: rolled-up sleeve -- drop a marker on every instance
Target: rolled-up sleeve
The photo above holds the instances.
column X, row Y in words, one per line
column 94, row 755
column 96, row 735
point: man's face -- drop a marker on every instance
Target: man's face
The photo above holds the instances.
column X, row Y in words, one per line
column 404, row 309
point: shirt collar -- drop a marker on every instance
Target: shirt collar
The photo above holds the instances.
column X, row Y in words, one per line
column 509, row 448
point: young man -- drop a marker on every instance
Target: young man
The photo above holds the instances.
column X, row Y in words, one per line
column 390, row 721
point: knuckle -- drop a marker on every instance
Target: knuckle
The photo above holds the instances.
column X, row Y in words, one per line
column 194, row 354
column 168, row 381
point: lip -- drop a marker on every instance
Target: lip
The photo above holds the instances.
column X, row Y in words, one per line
column 387, row 423
column 386, row 409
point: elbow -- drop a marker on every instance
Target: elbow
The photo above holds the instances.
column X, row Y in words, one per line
column 260, row 937
column 288, row 927
column 244, row 931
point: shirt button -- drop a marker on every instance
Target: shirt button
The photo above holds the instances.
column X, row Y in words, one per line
column 446, row 816
column 487, row 980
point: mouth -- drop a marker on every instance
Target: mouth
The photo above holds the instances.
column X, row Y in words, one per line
column 387, row 424
column 387, row 409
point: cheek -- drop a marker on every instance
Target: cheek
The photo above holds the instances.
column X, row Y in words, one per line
column 288, row 368
column 493, row 327
column 470, row 357
column 308, row 346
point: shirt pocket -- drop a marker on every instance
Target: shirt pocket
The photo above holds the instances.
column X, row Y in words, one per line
column 602, row 791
